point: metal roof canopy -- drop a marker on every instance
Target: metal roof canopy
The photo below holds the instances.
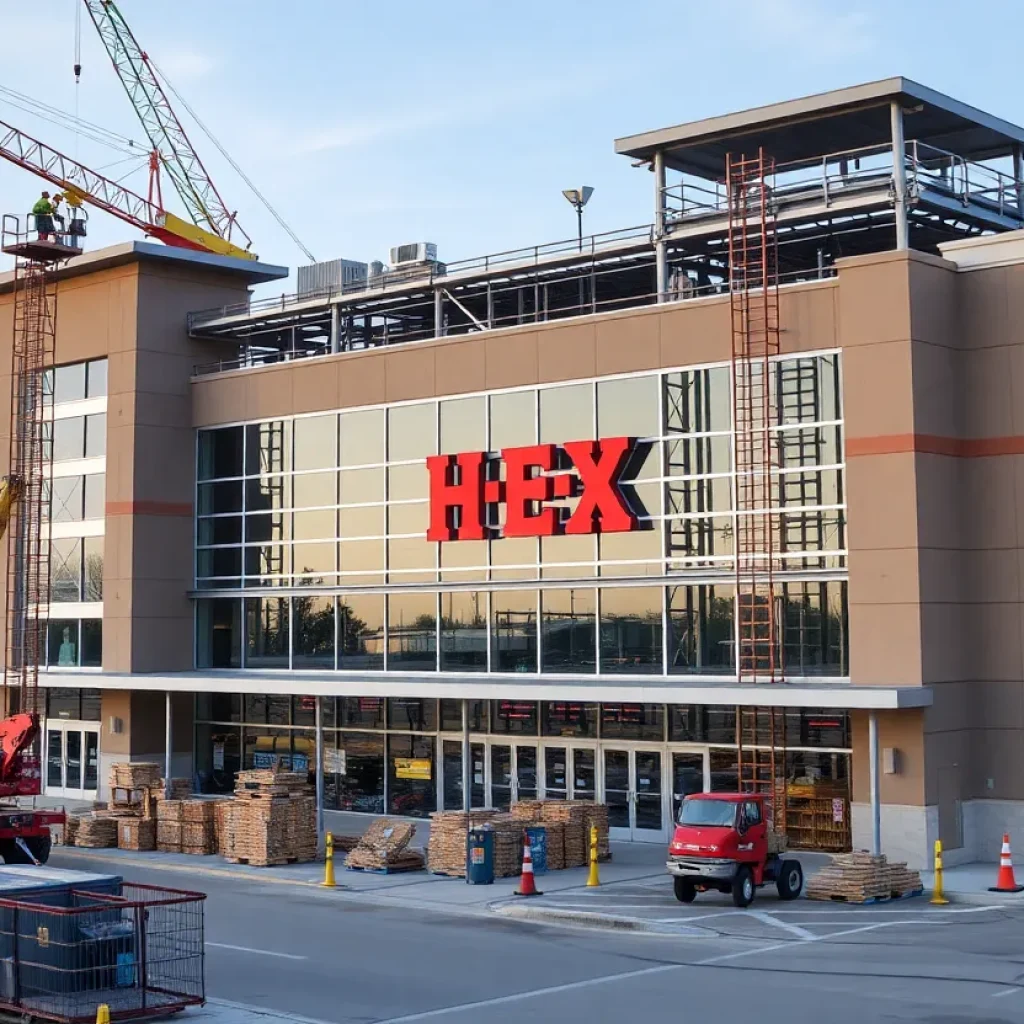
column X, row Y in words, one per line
column 828, row 122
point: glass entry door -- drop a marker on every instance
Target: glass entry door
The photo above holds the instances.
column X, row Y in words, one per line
column 72, row 759
column 635, row 794
column 690, row 774
column 451, row 775
column 513, row 774
column 569, row 772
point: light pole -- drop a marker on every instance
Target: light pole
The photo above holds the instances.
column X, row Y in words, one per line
column 578, row 198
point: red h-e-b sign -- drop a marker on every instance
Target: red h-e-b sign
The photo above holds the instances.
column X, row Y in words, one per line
column 462, row 486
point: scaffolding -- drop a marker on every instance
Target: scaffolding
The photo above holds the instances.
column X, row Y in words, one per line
column 754, row 299
column 32, row 356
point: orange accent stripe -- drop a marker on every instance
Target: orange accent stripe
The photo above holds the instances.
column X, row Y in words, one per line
column 148, row 508
column 935, row 444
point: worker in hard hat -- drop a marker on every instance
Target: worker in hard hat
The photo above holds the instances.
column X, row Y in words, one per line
column 43, row 214
column 58, row 217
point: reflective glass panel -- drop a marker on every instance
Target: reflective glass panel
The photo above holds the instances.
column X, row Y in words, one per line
column 464, row 631
column 362, row 438
column 567, row 631
column 700, row 622
column 361, row 632
column 316, row 442
column 514, row 631
column 412, row 432
column 266, row 632
column 631, row 630
column 412, row 632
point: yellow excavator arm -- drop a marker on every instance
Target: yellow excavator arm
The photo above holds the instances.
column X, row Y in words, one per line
column 10, row 492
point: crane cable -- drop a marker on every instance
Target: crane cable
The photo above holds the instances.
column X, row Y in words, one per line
column 94, row 132
column 227, row 156
column 78, row 65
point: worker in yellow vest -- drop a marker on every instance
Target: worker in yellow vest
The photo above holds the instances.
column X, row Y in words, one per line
column 43, row 214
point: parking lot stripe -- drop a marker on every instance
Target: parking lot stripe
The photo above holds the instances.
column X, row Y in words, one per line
column 517, row 997
column 793, row 929
column 260, row 952
column 1005, row 992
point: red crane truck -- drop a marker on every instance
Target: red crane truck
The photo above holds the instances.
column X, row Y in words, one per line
column 722, row 841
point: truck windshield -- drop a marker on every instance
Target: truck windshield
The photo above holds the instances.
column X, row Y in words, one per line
column 708, row 812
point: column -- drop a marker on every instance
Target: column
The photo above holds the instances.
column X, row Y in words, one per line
column 335, row 328
column 466, row 766
column 168, row 745
column 319, row 754
column 660, row 245
column 899, row 174
column 438, row 312
column 876, row 808
column 1018, row 177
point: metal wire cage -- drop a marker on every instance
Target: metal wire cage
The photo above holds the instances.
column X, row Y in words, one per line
column 65, row 952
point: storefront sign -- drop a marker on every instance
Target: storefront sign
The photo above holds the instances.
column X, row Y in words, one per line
column 837, row 810
column 413, row 768
column 463, row 487
column 218, row 757
column 334, row 762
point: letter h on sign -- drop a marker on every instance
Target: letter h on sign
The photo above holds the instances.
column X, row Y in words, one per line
column 456, row 497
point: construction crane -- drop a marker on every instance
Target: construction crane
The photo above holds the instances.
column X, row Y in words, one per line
column 84, row 185
column 170, row 142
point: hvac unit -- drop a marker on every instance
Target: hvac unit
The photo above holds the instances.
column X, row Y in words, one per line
column 415, row 252
column 330, row 277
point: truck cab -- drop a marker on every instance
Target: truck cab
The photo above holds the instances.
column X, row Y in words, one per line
column 723, row 841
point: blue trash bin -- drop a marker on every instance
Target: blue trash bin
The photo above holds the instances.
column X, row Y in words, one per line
column 538, row 849
column 480, row 856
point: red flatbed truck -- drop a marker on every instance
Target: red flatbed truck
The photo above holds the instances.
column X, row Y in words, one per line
column 722, row 842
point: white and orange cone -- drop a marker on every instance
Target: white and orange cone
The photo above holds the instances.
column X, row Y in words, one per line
column 1005, row 882
column 527, row 885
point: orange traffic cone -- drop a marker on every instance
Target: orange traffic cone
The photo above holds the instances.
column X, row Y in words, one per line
column 527, row 885
column 1005, row 882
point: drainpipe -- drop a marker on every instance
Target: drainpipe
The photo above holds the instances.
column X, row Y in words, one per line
column 660, row 245
column 899, row 174
column 876, row 809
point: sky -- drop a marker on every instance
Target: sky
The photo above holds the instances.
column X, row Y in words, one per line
column 460, row 122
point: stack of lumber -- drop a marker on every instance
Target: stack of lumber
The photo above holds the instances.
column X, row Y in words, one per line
column 96, row 832
column 64, row 835
column 862, row 878
column 574, row 816
column 777, row 842
column 271, row 821
column 446, row 852
column 198, row 832
column 345, row 844
column 136, row 834
column 169, row 826
column 556, row 844
column 508, row 845
column 220, row 814
column 134, row 775
column 528, row 811
column 384, row 848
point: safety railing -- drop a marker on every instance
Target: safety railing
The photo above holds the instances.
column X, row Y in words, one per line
column 414, row 321
column 589, row 246
column 836, row 175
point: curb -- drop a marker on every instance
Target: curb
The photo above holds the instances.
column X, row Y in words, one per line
column 985, row 899
column 595, row 922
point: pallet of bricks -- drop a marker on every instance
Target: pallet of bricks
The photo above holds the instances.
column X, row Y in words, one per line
column 271, row 821
column 384, row 849
column 446, row 851
column 863, row 878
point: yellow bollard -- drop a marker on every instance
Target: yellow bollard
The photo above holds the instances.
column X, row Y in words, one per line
column 593, row 879
column 937, row 898
column 103, row 1014
column 329, row 882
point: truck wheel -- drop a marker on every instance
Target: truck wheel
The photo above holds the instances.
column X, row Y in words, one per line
column 743, row 888
column 40, row 847
column 12, row 853
column 790, row 882
column 685, row 889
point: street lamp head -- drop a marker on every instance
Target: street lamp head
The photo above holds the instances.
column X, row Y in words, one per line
column 578, row 197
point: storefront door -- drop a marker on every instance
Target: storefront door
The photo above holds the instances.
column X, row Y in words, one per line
column 451, row 775
column 72, row 759
column 513, row 774
column 635, row 793
column 569, row 772
column 690, row 774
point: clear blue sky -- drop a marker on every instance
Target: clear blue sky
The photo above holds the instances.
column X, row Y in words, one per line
column 458, row 122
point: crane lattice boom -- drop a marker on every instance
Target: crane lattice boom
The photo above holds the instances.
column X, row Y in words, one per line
column 165, row 131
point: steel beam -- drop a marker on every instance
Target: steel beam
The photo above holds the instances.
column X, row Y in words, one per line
column 899, row 174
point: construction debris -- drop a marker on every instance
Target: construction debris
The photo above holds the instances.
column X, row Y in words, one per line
column 862, row 878
column 384, row 848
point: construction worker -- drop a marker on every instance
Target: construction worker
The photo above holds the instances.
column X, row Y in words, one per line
column 58, row 217
column 43, row 214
